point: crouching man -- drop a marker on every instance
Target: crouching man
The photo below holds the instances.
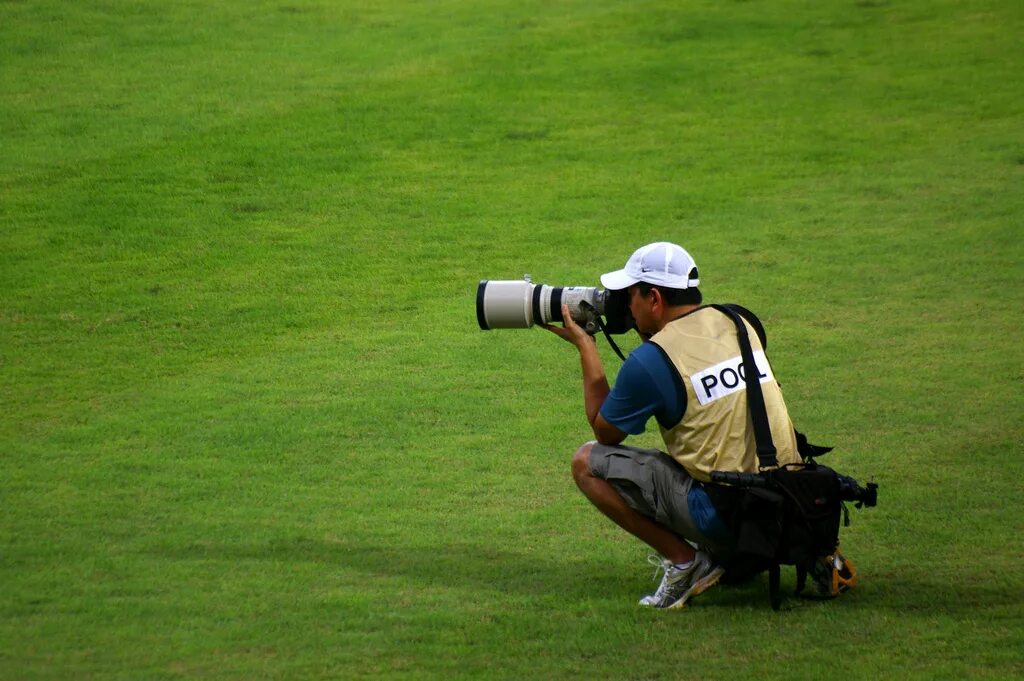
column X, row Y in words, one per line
column 688, row 375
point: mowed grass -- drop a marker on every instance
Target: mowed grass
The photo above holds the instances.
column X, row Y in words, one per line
column 250, row 428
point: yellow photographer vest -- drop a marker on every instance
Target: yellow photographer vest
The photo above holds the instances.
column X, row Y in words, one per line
column 715, row 433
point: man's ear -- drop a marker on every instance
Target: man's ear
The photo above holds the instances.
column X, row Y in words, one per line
column 656, row 298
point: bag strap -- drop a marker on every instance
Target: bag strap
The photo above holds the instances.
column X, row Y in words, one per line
column 755, row 397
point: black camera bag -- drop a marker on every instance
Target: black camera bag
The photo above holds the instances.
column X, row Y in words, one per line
column 812, row 510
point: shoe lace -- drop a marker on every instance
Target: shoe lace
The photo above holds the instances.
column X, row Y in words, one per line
column 661, row 565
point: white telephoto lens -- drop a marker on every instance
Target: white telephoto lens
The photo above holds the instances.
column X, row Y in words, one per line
column 504, row 304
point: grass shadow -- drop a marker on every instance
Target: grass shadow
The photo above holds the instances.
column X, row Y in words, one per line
column 466, row 565
column 446, row 565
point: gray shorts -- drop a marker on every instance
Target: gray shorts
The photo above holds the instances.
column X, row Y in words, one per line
column 652, row 483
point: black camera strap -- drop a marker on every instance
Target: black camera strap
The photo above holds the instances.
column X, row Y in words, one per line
column 762, row 430
column 755, row 397
column 610, row 341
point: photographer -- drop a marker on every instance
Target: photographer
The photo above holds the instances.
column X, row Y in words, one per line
column 688, row 375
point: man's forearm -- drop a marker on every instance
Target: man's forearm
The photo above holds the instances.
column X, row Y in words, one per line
column 595, row 384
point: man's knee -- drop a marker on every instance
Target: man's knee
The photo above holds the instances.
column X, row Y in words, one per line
column 581, row 460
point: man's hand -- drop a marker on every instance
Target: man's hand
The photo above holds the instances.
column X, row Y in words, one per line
column 570, row 330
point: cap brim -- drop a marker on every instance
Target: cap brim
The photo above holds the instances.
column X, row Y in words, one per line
column 617, row 280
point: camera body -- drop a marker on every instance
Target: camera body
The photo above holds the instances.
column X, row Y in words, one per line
column 521, row 304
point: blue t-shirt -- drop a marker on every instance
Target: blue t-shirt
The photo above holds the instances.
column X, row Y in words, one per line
column 647, row 385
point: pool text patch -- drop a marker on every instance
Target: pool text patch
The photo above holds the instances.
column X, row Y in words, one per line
column 728, row 377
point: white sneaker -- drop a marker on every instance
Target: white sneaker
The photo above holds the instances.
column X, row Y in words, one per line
column 680, row 584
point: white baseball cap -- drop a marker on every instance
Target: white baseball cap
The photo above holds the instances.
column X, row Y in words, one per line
column 661, row 264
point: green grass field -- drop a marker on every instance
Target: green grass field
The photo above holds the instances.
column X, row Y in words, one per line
column 250, row 428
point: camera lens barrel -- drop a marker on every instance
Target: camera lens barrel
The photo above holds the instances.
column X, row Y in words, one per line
column 521, row 304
